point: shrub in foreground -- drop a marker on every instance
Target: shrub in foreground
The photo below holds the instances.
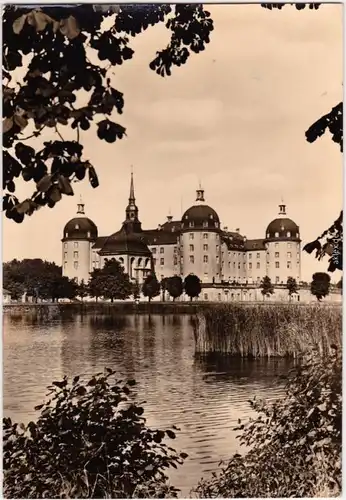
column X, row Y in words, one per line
column 294, row 444
column 90, row 441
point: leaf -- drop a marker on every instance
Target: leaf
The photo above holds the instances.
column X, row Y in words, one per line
column 44, row 184
column 81, row 391
column 54, row 194
column 18, row 24
column 93, row 177
column 41, row 20
column 21, row 121
column 69, row 28
column 170, row 434
column 75, row 380
column 23, row 207
column 65, row 185
column 7, row 124
column 38, row 407
column 61, row 384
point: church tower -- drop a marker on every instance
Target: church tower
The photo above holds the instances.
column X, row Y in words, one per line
column 132, row 223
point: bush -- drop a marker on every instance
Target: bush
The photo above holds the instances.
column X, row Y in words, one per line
column 294, row 443
column 90, row 441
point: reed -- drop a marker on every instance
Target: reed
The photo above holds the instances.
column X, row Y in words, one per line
column 284, row 330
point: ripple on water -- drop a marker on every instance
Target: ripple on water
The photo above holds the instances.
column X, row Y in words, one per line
column 205, row 400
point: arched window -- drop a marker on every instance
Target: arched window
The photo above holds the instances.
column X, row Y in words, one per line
column 288, row 234
column 121, row 260
column 76, row 226
column 139, row 263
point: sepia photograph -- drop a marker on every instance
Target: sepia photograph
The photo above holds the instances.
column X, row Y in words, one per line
column 172, row 250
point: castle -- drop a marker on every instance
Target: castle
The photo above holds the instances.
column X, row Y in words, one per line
column 195, row 244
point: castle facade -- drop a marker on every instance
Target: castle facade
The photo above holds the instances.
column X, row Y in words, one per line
column 195, row 244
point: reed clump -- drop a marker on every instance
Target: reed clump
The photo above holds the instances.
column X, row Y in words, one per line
column 283, row 330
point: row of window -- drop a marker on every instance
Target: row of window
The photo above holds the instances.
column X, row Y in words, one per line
column 205, row 236
column 75, row 244
column 288, row 234
column 75, row 255
column 205, row 224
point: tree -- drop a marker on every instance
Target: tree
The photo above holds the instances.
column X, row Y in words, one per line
column 82, row 290
column 95, row 284
column 38, row 279
column 292, row 286
column 136, row 291
column 90, row 440
column 266, row 287
column 192, row 286
column 151, row 287
column 62, row 42
column 320, row 285
column 175, row 286
column 113, row 282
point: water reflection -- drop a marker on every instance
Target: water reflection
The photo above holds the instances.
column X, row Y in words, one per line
column 204, row 397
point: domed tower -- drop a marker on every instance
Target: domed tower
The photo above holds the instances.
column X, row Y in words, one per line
column 282, row 242
column 79, row 235
column 200, row 246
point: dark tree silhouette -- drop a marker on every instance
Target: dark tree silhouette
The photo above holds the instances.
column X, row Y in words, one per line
column 192, row 286
column 82, row 290
column 266, row 287
column 175, row 286
column 111, row 282
column 95, row 284
column 62, row 41
column 151, row 287
column 320, row 285
column 292, row 286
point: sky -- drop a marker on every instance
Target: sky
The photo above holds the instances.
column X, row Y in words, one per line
column 233, row 118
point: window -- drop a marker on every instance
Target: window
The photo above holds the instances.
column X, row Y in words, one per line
column 154, row 250
column 205, row 296
column 233, row 264
column 192, row 248
column 268, row 235
column 66, row 235
column 288, row 234
column 205, row 258
column 288, row 245
column 216, row 224
column 192, row 259
column 75, row 265
column 76, row 244
column 277, row 255
column 88, row 234
column 76, row 226
column 191, row 224
column 65, row 245
column 205, row 248
column 277, row 279
column 289, row 265
column 258, row 255
column 65, row 264
column 65, row 254
column 75, row 255
column 94, row 265
column 205, row 236
column 205, row 223
column 238, row 265
column 258, row 265
column 289, row 255
column 192, row 236
column 276, row 245
column 250, row 265
column 175, row 261
column 250, row 255
column 162, row 250
column 277, row 265
column 219, row 296
column 175, row 250
column 162, row 261
column 217, row 248
column 276, row 235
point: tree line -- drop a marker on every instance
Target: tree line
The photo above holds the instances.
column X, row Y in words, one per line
column 43, row 280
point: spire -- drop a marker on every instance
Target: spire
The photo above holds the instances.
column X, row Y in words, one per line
column 132, row 189
column 282, row 208
column 200, row 194
column 80, row 207
column 132, row 223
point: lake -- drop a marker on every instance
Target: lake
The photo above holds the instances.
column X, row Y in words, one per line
column 204, row 399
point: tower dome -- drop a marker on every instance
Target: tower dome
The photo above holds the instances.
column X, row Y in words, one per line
column 200, row 215
column 80, row 227
column 125, row 243
column 282, row 227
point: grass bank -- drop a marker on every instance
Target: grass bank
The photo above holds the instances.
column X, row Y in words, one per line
column 267, row 330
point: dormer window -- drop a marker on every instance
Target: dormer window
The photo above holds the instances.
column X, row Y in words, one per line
column 268, row 235
column 88, row 234
column 205, row 223
column 211, row 216
column 186, row 216
column 76, row 226
column 297, row 235
column 288, row 234
column 66, row 235
column 276, row 235
column 191, row 224
column 216, row 224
